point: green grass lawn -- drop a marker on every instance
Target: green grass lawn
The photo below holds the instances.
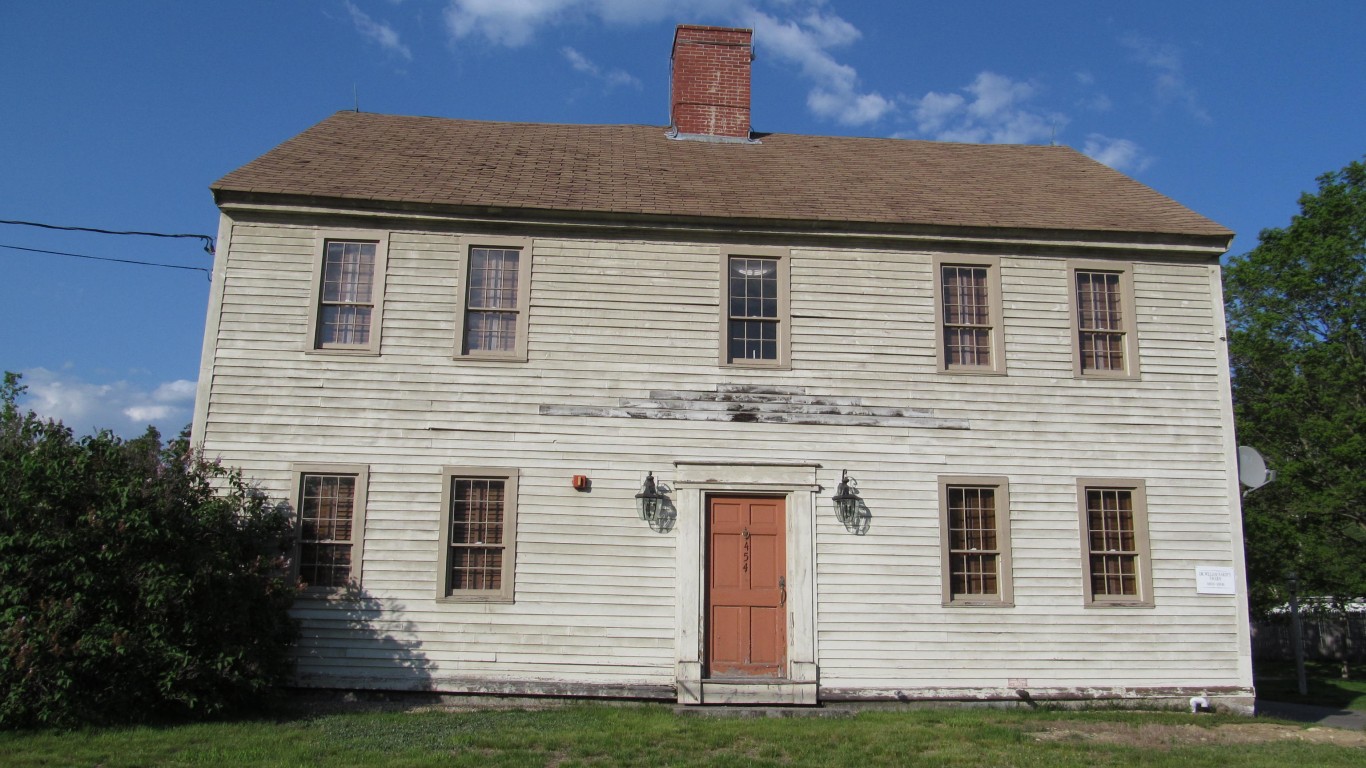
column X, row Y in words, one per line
column 1277, row 682
column 603, row 735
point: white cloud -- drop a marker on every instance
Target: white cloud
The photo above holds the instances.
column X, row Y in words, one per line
column 1169, row 85
column 995, row 111
column 382, row 34
column 124, row 408
column 612, row 77
column 835, row 94
column 1120, row 154
column 798, row 33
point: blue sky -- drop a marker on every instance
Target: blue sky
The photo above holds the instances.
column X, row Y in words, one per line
column 119, row 116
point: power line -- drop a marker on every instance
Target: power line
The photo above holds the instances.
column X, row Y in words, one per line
column 104, row 258
column 208, row 241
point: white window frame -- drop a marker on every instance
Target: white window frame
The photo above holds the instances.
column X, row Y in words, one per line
column 992, row 265
column 362, row 474
column 322, row 238
column 1005, row 593
column 1142, row 551
column 507, row 591
column 524, row 267
column 783, row 257
column 1128, row 314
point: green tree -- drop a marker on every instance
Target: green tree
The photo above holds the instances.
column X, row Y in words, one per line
column 1297, row 342
column 137, row 581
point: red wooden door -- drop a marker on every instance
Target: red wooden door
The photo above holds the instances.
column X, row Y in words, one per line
column 746, row 588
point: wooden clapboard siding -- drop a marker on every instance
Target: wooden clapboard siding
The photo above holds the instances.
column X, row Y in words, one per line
column 614, row 320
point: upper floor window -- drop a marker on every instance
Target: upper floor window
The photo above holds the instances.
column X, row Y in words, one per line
column 975, row 525
column 330, row 503
column 494, row 301
column 1115, row 542
column 755, row 309
column 969, row 299
column 348, row 295
column 479, row 534
column 1103, row 320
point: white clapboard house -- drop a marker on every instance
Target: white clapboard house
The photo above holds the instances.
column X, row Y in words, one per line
column 564, row 409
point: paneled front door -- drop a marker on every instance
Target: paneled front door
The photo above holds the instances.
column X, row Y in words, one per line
column 746, row 587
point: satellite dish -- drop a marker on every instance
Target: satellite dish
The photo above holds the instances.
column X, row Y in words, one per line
column 1252, row 471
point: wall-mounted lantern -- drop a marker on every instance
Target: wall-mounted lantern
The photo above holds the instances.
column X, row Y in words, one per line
column 650, row 500
column 846, row 500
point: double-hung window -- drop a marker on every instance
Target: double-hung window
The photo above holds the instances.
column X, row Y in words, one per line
column 494, row 298
column 1103, row 321
column 1115, row 542
column 968, row 295
column 330, row 505
column 479, row 534
column 348, row 294
column 754, row 312
column 975, row 537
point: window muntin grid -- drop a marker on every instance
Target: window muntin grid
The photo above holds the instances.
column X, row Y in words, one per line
column 347, row 301
column 1112, row 543
column 476, row 537
column 1100, row 321
column 966, row 300
column 974, row 548
column 492, row 300
column 753, row 314
column 327, row 507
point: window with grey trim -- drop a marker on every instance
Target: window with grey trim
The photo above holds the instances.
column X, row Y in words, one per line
column 974, row 518
column 479, row 533
column 1115, row 547
column 753, row 310
column 327, row 516
column 493, row 300
column 346, row 306
column 966, row 316
column 1101, row 321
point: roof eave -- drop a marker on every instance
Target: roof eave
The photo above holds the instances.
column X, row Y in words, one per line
column 1211, row 244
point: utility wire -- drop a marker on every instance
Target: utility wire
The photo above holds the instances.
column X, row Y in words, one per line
column 104, row 258
column 208, row 241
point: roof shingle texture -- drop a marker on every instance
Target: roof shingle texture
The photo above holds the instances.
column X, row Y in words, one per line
column 630, row 169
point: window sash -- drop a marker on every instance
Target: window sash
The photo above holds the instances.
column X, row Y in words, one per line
column 346, row 305
column 974, row 545
column 1100, row 320
column 327, row 509
column 477, row 520
column 753, row 309
column 1113, row 542
column 966, row 314
column 492, row 299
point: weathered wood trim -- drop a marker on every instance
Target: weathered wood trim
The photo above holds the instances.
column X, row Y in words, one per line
column 1031, row 694
column 834, row 420
column 1228, row 436
column 1056, row 242
column 208, row 354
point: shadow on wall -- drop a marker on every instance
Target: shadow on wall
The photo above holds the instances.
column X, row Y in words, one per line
column 356, row 640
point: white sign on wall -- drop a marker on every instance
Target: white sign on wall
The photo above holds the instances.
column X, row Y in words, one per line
column 1214, row 580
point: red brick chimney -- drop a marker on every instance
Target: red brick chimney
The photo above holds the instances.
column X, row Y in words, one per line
column 710, row 86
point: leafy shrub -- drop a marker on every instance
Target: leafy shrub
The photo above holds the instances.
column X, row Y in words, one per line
column 137, row 581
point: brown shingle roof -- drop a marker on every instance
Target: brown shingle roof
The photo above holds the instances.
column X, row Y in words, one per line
column 629, row 169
